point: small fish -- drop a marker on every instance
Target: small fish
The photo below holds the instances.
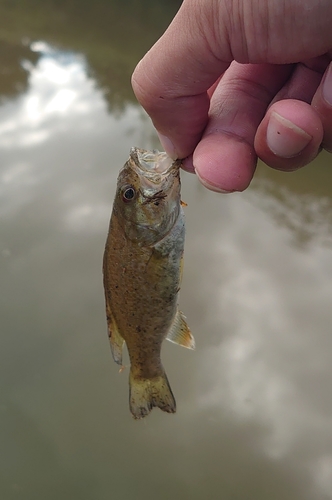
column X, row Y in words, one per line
column 142, row 273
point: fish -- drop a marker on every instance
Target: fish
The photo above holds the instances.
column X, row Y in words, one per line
column 142, row 271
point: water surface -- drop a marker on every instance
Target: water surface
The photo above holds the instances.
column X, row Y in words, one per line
column 254, row 399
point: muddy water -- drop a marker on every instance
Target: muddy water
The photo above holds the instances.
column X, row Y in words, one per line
column 254, row 399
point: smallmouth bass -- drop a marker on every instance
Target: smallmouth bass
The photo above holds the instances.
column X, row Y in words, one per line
column 142, row 272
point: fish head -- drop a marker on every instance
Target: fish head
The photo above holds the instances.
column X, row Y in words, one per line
column 147, row 200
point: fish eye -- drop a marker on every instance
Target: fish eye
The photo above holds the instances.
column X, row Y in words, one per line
column 128, row 193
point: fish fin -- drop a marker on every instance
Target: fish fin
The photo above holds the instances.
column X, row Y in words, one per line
column 183, row 203
column 145, row 394
column 115, row 337
column 180, row 333
column 181, row 272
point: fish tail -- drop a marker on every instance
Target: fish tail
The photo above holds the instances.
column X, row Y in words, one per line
column 147, row 393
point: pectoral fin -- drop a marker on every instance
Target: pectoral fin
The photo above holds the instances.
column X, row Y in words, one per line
column 116, row 339
column 180, row 333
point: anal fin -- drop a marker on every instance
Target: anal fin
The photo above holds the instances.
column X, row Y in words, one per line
column 180, row 333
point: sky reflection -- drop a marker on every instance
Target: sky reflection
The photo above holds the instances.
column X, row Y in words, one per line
column 63, row 115
column 271, row 364
column 256, row 291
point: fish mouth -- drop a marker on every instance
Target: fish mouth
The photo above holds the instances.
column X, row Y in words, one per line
column 154, row 165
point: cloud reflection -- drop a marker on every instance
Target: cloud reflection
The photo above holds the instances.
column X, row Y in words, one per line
column 58, row 88
column 271, row 365
column 60, row 129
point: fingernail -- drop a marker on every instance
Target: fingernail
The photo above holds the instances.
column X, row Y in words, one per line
column 327, row 86
column 212, row 187
column 168, row 146
column 284, row 138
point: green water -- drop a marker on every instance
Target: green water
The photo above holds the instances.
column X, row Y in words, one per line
column 254, row 399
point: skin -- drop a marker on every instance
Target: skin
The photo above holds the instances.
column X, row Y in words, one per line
column 234, row 80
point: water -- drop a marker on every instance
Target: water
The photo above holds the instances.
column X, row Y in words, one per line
column 254, row 399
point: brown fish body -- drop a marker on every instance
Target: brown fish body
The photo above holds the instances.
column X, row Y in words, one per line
column 142, row 273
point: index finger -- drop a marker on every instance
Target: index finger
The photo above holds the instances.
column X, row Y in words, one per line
column 172, row 80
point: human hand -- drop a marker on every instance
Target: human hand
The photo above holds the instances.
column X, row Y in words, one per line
column 230, row 81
